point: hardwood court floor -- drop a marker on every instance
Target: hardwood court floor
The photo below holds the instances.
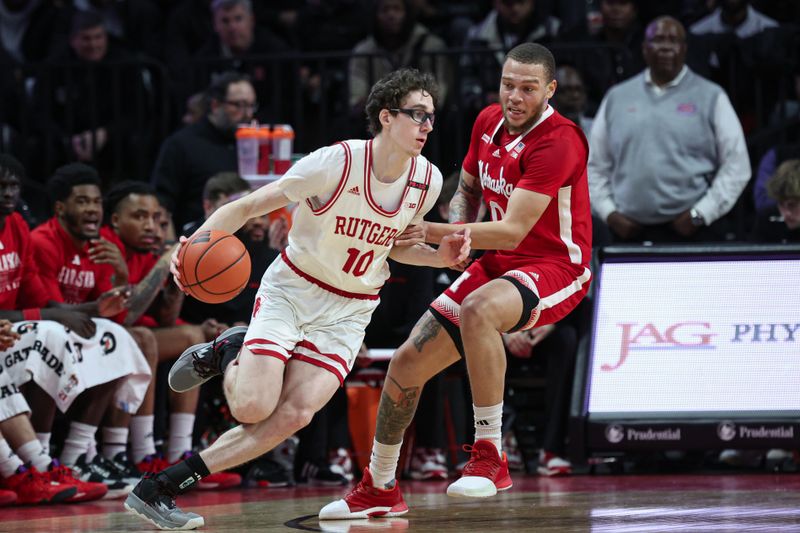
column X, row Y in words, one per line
column 719, row 502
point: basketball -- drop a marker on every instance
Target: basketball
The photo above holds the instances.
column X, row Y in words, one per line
column 214, row 266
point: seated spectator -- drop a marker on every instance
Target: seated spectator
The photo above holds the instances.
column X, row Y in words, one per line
column 86, row 103
column 782, row 223
column 733, row 16
column 769, row 163
column 668, row 158
column 236, row 37
column 192, row 155
column 31, row 31
column 570, row 97
column 135, row 25
column 510, row 23
column 397, row 40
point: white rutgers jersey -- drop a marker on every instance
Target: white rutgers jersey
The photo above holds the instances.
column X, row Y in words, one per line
column 341, row 241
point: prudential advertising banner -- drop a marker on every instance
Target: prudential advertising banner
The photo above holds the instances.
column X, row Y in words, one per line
column 697, row 336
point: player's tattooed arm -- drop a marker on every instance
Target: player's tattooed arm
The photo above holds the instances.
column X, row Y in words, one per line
column 144, row 292
column 169, row 305
column 395, row 411
column 466, row 201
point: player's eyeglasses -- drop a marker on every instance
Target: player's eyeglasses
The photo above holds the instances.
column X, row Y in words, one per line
column 417, row 115
column 240, row 105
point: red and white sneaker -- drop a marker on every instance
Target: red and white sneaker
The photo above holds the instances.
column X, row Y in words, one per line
column 33, row 486
column 551, row 464
column 484, row 474
column 366, row 501
column 87, row 490
column 217, row 480
column 7, row 497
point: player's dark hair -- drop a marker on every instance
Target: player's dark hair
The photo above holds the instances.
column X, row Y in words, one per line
column 218, row 90
column 71, row 175
column 785, row 183
column 84, row 20
column 534, row 54
column 389, row 92
column 121, row 191
column 224, row 184
column 10, row 166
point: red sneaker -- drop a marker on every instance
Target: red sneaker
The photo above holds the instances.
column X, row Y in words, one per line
column 7, row 497
column 152, row 463
column 216, row 481
column 366, row 501
column 485, row 472
column 87, row 490
column 33, row 486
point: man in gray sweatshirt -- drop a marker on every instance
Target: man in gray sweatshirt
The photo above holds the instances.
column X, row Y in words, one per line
column 667, row 154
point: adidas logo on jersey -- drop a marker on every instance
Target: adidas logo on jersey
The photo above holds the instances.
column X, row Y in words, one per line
column 354, row 190
column 496, row 153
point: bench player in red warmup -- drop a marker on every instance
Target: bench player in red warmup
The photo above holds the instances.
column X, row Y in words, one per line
column 529, row 164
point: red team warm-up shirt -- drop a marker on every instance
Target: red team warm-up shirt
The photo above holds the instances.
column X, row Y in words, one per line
column 67, row 272
column 550, row 160
column 20, row 286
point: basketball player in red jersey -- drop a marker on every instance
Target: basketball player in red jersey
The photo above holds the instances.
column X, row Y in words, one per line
column 529, row 165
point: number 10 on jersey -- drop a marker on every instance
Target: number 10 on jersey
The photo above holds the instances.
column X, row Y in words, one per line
column 357, row 263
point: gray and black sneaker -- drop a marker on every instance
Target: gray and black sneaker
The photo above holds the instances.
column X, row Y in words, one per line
column 97, row 471
column 201, row 362
column 155, row 502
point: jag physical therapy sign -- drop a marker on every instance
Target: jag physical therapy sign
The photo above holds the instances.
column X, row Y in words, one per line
column 696, row 337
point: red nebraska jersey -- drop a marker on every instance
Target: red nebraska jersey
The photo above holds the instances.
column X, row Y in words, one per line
column 550, row 159
column 20, row 286
column 66, row 271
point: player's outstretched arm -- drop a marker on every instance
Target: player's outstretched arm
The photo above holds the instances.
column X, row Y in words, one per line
column 506, row 231
column 453, row 250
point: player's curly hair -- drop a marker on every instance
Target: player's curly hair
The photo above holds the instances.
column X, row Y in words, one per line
column 785, row 183
column 120, row 191
column 389, row 92
column 68, row 176
column 534, row 54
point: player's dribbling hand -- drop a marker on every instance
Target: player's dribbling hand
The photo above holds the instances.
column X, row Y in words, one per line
column 411, row 235
column 174, row 263
column 454, row 248
column 7, row 335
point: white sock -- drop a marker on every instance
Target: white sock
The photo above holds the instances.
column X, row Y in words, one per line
column 142, row 443
column 33, row 453
column 79, row 439
column 9, row 462
column 383, row 463
column 181, row 427
column 44, row 438
column 489, row 424
column 115, row 440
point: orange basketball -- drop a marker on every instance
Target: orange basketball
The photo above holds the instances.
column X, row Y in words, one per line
column 214, row 266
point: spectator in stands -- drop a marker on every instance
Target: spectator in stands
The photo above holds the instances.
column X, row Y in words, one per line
column 397, row 40
column 510, row 23
column 135, row 25
column 236, row 37
column 86, row 102
column 781, row 223
column 766, row 169
column 570, row 96
column 30, row 31
column 733, row 16
column 192, row 155
column 668, row 157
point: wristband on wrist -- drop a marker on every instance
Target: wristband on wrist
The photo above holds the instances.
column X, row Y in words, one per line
column 32, row 314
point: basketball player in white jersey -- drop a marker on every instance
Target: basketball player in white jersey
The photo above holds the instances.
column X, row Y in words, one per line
column 354, row 199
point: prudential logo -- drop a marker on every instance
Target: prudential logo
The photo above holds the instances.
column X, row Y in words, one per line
column 677, row 336
column 615, row 433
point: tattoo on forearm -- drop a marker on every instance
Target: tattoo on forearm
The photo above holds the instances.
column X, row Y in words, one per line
column 465, row 204
column 395, row 416
column 428, row 329
column 146, row 290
